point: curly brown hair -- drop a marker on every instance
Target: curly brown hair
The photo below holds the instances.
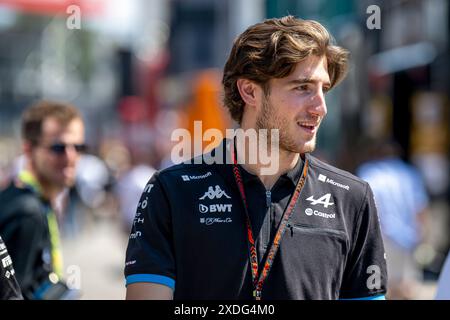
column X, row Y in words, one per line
column 271, row 49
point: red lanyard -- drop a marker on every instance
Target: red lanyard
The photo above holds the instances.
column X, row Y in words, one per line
column 258, row 279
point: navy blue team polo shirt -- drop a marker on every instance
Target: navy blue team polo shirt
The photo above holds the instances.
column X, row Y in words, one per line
column 190, row 234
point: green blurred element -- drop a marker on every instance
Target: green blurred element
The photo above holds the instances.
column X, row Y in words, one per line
column 310, row 9
column 73, row 46
column 30, row 22
column 81, row 41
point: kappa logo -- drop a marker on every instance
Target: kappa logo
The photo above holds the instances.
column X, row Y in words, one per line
column 324, row 200
column 189, row 178
column 216, row 193
column 213, row 208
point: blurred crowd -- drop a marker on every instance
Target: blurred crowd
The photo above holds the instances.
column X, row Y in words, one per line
column 139, row 71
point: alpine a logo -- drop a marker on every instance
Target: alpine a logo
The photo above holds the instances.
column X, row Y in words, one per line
column 189, row 178
column 324, row 178
column 324, row 200
column 214, row 193
column 214, row 208
column 310, row 212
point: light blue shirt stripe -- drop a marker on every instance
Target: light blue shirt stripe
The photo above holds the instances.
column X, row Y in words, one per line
column 153, row 278
column 380, row 297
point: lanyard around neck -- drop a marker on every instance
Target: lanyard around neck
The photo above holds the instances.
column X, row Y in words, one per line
column 259, row 279
column 27, row 179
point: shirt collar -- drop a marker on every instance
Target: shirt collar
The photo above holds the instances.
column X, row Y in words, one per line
column 292, row 175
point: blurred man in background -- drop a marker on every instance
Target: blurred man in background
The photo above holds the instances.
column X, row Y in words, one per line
column 53, row 138
column 402, row 203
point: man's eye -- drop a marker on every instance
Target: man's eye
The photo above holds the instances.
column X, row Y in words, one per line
column 303, row 87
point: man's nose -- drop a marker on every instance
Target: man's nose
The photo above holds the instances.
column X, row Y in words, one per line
column 72, row 153
column 318, row 104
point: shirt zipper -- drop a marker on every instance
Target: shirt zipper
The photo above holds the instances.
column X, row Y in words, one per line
column 268, row 198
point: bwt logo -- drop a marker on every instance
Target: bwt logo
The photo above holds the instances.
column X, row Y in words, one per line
column 212, row 208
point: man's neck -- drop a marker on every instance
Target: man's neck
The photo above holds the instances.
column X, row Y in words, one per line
column 286, row 162
column 48, row 191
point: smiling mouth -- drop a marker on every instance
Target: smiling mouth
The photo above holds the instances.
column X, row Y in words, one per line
column 308, row 127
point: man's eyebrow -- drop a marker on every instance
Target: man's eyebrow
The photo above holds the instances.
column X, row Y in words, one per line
column 308, row 80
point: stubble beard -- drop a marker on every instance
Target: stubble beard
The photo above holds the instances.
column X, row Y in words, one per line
column 268, row 119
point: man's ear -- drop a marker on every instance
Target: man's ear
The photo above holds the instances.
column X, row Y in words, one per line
column 249, row 91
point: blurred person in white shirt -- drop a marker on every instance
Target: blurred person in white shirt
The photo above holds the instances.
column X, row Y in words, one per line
column 443, row 287
column 402, row 202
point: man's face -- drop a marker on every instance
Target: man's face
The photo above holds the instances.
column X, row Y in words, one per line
column 55, row 165
column 296, row 105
